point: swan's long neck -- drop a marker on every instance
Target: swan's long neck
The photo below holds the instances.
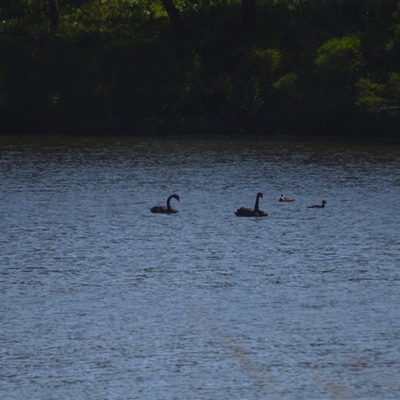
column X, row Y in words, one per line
column 169, row 202
column 256, row 206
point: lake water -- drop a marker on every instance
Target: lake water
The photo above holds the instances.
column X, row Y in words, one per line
column 101, row 299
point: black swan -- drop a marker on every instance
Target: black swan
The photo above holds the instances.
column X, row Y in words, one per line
column 166, row 209
column 322, row 205
column 285, row 198
column 252, row 212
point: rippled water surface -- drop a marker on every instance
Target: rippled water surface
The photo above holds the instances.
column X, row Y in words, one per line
column 101, row 299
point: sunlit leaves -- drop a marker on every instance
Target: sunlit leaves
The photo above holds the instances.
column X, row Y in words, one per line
column 286, row 84
column 339, row 55
column 379, row 96
column 369, row 94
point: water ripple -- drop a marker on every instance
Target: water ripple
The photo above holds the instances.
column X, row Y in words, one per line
column 102, row 299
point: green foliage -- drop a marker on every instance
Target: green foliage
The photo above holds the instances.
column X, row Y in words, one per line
column 116, row 16
column 369, row 94
column 339, row 55
column 286, row 83
column 376, row 97
column 394, row 84
column 307, row 66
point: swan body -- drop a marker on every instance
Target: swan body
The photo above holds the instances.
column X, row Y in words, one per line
column 286, row 199
column 322, row 205
column 166, row 209
column 252, row 212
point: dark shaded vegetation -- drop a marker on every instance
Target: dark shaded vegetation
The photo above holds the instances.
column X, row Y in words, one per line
column 293, row 67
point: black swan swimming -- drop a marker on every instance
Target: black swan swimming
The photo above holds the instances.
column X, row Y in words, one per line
column 322, row 205
column 285, row 198
column 166, row 209
column 252, row 212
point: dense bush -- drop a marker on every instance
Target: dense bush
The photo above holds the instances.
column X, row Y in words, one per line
column 117, row 66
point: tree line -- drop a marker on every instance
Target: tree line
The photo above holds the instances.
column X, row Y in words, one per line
column 266, row 67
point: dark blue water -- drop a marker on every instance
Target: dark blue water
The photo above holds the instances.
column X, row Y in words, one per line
column 101, row 299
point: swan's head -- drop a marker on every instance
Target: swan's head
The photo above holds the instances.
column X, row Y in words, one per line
column 175, row 196
column 324, row 202
column 259, row 194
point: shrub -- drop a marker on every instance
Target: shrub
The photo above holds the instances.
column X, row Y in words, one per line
column 339, row 56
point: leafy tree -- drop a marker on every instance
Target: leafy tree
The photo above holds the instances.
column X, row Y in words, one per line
column 339, row 56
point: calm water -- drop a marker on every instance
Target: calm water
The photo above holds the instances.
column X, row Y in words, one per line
column 100, row 299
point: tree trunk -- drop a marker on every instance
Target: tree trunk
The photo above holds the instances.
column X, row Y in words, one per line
column 175, row 17
column 54, row 14
column 249, row 19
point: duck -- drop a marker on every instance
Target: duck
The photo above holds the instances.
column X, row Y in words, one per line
column 166, row 209
column 322, row 205
column 252, row 212
column 285, row 198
